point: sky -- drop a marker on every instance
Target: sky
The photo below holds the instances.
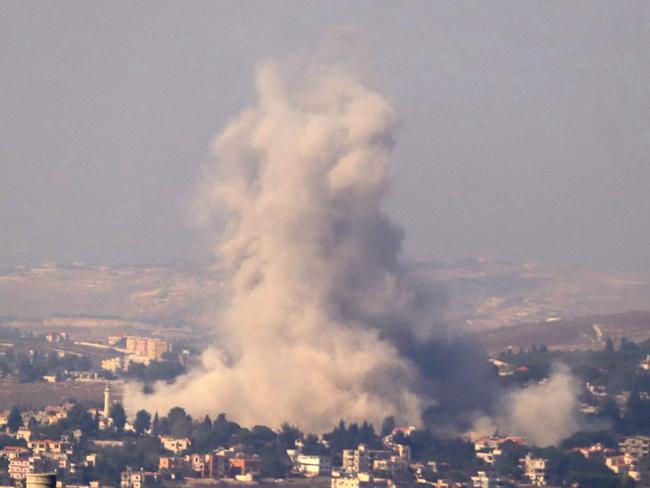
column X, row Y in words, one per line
column 524, row 127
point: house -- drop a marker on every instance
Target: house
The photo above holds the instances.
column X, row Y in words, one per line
column 243, row 466
column 636, row 445
column 535, row 469
column 313, row 465
column 623, row 464
column 12, row 452
column 174, row 444
column 48, row 446
column 595, row 451
column 139, row 479
column 360, row 480
column 214, row 465
column 645, row 363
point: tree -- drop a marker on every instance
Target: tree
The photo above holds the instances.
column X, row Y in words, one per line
column 289, row 435
column 627, row 345
column 180, row 424
column 118, row 415
column 142, row 421
column 15, row 420
column 387, row 426
column 155, row 425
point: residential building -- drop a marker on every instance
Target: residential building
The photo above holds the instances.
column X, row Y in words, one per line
column 213, row 465
column 174, row 444
column 622, row 464
column 313, row 465
column 114, row 365
column 139, row 479
column 360, row 480
column 636, row 445
column 243, row 465
column 20, row 467
column 356, row 460
column 535, row 469
column 147, row 347
column 48, row 446
column 484, row 480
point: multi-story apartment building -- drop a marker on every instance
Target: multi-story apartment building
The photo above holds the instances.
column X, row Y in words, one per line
column 20, row 467
column 636, row 445
column 313, row 465
column 535, row 469
column 356, row 460
column 175, row 444
column 147, row 347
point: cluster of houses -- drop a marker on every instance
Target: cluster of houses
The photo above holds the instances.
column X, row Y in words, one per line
column 230, row 463
column 362, row 467
column 623, row 460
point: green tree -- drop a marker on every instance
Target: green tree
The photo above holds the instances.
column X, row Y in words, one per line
column 142, row 421
column 387, row 426
column 155, row 425
column 15, row 420
column 118, row 415
column 289, row 435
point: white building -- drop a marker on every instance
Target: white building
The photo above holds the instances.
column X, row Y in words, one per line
column 175, row 444
column 535, row 469
column 138, row 479
column 356, row 460
column 361, row 480
column 20, row 467
column 313, row 465
column 636, row 445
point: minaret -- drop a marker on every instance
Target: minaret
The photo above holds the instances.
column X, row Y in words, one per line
column 107, row 402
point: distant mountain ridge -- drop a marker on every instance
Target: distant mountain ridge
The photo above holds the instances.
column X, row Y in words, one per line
column 482, row 295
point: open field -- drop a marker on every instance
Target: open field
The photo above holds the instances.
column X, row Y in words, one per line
column 567, row 334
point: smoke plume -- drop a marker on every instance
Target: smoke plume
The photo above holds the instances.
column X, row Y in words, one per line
column 324, row 321
column 315, row 273
column 544, row 413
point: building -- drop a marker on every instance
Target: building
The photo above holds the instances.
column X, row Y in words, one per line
column 152, row 349
column 212, row 465
column 645, row 363
column 624, row 464
column 535, row 469
column 50, row 447
column 20, row 467
column 313, row 465
column 244, row 467
column 595, row 451
column 356, row 460
column 636, row 445
column 174, row 444
column 41, row 480
column 360, row 480
column 138, row 479
column 57, row 336
column 12, row 452
column 484, row 480
column 114, row 365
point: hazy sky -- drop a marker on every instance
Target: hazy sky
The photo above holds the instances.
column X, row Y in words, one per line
column 524, row 126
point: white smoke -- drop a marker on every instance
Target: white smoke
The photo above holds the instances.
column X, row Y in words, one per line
column 544, row 413
column 314, row 261
column 317, row 286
